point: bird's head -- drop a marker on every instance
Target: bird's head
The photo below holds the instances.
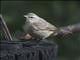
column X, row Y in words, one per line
column 32, row 17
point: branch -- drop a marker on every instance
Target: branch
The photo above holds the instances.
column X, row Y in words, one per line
column 5, row 28
column 68, row 30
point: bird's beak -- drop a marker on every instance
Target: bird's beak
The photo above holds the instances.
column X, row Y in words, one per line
column 25, row 16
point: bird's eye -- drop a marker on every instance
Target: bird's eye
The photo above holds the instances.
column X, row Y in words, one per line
column 31, row 17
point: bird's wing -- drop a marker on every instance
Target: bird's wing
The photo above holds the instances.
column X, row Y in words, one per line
column 44, row 25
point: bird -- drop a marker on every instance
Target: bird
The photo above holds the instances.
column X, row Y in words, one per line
column 38, row 27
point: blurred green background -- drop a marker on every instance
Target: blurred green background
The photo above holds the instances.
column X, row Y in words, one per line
column 59, row 13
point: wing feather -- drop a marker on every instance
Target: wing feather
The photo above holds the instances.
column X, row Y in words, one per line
column 43, row 25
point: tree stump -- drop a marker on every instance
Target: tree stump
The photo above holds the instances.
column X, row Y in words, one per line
column 28, row 50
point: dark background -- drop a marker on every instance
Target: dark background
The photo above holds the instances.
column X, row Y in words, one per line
column 58, row 13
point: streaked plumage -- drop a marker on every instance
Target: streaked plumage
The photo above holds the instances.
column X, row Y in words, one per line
column 37, row 26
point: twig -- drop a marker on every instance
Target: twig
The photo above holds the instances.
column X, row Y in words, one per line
column 5, row 28
column 68, row 29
